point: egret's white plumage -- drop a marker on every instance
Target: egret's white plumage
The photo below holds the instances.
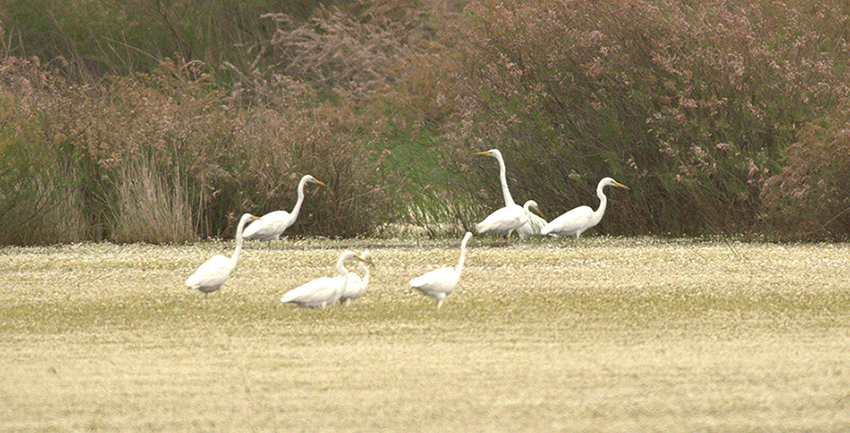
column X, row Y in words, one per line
column 505, row 220
column 535, row 223
column 273, row 224
column 576, row 221
column 215, row 271
column 323, row 291
column 440, row 283
column 356, row 286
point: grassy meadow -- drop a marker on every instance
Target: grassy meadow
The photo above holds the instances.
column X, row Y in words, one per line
column 605, row 334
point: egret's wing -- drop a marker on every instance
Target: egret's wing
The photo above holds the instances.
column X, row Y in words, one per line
column 269, row 226
column 213, row 272
column 355, row 287
column 570, row 222
column 503, row 220
column 533, row 227
column 437, row 281
column 314, row 293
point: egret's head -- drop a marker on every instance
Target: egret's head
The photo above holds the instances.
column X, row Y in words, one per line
column 492, row 152
column 609, row 181
column 365, row 257
column 312, row 179
column 531, row 206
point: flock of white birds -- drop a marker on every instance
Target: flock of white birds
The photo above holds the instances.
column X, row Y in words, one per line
column 437, row 284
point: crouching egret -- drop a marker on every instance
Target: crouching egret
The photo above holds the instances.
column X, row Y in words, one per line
column 356, row 286
column 323, row 291
column 215, row 271
column 535, row 223
column 504, row 220
column 440, row 283
column 273, row 224
column 576, row 221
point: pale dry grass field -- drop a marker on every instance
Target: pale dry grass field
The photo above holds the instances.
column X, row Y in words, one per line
column 604, row 334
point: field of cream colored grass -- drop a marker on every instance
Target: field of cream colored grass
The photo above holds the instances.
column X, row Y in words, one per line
column 604, row 334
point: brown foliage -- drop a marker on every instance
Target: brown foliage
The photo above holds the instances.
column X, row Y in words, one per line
column 810, row 197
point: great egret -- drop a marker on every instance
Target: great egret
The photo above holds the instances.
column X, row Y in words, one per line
column 534, row 223
column 356, row 286
column 273, row 224
column 440, row 283
column 215, row 271
column 323, row 291
column 576, row 221
column 503, row 221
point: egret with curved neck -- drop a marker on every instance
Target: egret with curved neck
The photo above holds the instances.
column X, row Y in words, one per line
column 533, row 222
column 215, row 271
column 323, row 291
column 273, row 224
column 576, row 221
column 440, row 283
column 356, row 286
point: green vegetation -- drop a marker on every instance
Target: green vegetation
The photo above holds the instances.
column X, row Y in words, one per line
column 163, row 121
column 610, row 334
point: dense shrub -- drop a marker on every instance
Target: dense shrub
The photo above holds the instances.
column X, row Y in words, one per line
column 163, row 158
column 721, row 116
column 97, row 37
column 690, row 104
column 810, row 197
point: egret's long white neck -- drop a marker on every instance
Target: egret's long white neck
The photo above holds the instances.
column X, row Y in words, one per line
column 340, row 267
column 241, row 226
column 503, row 178
column 462, row 253
column 603, row 203
column 340, row 264
column 298, row 203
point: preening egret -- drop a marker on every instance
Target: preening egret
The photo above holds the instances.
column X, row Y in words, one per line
column 440, row 283
column 534, row 223
column 323, row 291
column 356, row 286
column 576, row 221
column 273, row 224
column 215, row 271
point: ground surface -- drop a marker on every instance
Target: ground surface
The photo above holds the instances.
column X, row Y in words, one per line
column 604, row 334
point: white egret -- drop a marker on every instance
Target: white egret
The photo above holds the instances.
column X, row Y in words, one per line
column 356, row 286
column 273, row 224
column 503, row 221
column 215, row 271
column 576, row 221
column 323, row 291
column 534, row 223
column 440, row 283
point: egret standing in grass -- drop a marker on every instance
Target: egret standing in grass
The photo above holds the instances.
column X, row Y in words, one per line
column 357, row 286
column 576, row 221
column 215, row 271
column 273, row 224
column 535, row 223
column 323, row 291
column 440, row 283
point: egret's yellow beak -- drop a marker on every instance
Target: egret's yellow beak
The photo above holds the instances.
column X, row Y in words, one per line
column 365, row 261
column 538, row 212
column 620, row 185
column 486, row 152
column 319, row 182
